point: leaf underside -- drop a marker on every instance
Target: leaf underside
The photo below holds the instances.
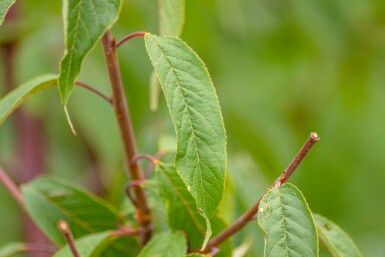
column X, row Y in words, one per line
column 49, row 200
column 4, row 7
column 336, row 241
column 19, row 95
column 197, row 118
column 165, row 245
column 85, row 22
column 287, row 221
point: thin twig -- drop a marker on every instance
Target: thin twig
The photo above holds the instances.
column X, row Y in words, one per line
column 11, row 186
column 143, row 213
column 151, row 165
column 129, row 36
column 65, row 229
column 151, row 158
column 95, row 90
column 249, row 215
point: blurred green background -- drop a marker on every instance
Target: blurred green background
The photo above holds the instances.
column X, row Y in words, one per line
column 282, row 68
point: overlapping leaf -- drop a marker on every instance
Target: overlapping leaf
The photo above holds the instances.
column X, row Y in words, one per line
column 285, row 217
column 85, row 22
column 165, row 245
column 49, row 200
column 88, row 246
column 20, row 94
column 338, row 243
column 195, row 111
column 4, row 7
column 182, row 212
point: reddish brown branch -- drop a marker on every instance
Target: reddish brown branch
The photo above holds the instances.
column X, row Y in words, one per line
column 94, row 90
column 249, row 215
column 11, row 187
column 65, row 229
column 143, row 214
column 129, row 36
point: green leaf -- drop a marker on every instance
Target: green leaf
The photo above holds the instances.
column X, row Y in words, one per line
column 193, row 104
column 85, row 22
column 171, row 17
column 20, row 94
column 11, row 249
column 49, row 200
column 182, row 209
column 285, row 217
column 88, row 246
column 122, row 247
column 4, row 7
column 165, row 245
column 337, row 242
column 196, row 255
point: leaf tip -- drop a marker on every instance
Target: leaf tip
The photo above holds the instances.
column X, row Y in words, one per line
column 69, row 120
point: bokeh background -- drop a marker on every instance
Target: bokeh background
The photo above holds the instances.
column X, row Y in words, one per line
column 282, row 68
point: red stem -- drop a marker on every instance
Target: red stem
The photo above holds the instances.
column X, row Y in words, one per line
column 143, row 213
column 11, row 186
column 95, row 90
column 130, row 36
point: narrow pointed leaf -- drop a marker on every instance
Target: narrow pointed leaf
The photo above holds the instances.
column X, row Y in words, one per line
column 49, row 200
column 88, row 246
column 4, row 7
column 285, row 217
column 195, row 111
column 165, row 245
column 20, row 94
column 85, row 23
column 171, row 17
column 337, row 242
column 182, row 212
column 11, row 249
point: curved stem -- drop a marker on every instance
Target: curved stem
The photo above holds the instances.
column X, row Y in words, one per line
column 94, row 90
column 129, row 36
column 143, row 213
column 11, row 186
column 249, row 215
column 151, row 158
